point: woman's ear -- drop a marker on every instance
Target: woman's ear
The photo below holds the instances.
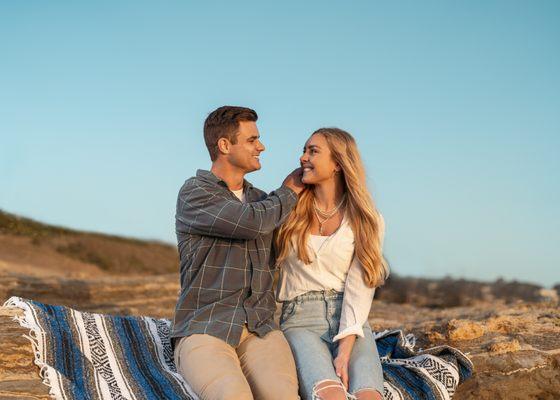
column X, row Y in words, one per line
column 223, row 145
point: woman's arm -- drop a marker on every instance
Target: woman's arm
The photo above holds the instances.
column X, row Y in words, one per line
column 358, row 297
column 356, row 305
column 342, row 359
column 355, row 310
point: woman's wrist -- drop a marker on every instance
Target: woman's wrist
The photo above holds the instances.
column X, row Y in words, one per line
column 345, row 346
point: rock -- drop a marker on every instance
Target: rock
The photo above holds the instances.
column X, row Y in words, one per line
column 510, row 330
column 508, row 324
column 149, row 295
column 515, row 348
column 464, row 330
column 504, row 347
column 19, row 376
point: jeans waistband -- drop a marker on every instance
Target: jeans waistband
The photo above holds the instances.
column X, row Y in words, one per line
column 330, row 294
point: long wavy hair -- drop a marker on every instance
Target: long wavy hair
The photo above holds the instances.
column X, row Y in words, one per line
column 365, row 220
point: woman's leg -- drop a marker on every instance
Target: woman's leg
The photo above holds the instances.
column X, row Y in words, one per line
column 316, row 374
column 368, row 394
column 365, row 372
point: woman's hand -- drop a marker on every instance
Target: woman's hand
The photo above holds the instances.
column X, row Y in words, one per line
column 341, row 367
column 342, row 359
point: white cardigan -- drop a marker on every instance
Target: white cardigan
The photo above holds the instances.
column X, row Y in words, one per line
column 333, row 266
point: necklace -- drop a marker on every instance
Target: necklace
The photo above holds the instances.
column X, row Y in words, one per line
column 324, row 216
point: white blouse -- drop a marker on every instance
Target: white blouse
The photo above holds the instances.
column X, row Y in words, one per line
column 334, row 266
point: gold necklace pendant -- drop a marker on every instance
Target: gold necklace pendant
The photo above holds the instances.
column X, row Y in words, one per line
column 321, row 223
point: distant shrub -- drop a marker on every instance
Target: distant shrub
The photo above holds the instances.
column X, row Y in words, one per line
column 80, row 252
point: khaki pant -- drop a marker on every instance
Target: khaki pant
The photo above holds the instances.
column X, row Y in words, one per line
column 259, row 368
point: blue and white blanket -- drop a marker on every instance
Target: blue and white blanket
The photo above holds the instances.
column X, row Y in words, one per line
column 85, row 356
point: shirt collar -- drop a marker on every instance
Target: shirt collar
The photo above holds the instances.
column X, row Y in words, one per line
column 210, row 177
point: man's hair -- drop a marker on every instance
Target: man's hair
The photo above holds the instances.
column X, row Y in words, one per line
column 224, row 123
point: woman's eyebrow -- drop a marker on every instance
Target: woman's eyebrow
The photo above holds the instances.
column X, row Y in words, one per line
column 311, row 147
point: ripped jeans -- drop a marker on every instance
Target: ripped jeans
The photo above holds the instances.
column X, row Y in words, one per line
column 309, row 322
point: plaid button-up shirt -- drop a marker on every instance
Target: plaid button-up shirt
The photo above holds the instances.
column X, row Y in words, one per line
column 224, row 250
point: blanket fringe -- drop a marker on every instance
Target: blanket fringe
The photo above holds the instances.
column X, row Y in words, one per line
column 28, row 321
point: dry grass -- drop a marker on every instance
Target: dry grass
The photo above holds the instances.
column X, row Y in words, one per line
column 42, row 245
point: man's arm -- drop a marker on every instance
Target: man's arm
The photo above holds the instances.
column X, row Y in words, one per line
column 201, row 210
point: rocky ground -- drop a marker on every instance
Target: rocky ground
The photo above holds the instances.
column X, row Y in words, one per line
column 515, row 347
column 510, row 330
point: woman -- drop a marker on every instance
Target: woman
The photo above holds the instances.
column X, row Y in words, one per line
column 330, row 260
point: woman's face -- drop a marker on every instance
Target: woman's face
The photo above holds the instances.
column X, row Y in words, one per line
column 316, row 161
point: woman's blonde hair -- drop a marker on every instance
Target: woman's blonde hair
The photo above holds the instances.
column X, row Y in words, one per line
column 365, row 220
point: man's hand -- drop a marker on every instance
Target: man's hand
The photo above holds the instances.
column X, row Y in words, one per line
column 293, row 181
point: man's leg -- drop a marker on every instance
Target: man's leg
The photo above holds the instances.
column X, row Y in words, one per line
column 211, row 367
column 269, row 366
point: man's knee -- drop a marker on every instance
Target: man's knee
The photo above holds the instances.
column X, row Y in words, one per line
column 226, row 387
column 269, row 367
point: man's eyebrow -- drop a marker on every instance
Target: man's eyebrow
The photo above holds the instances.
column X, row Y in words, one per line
column 253, row 137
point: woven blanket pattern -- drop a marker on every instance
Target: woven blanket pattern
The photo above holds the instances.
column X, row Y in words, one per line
column 84, row 355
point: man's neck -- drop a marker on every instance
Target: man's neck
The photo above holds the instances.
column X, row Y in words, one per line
column 329, row 193
column 232, row 176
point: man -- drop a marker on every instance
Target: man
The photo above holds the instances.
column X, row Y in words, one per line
column 227, row 345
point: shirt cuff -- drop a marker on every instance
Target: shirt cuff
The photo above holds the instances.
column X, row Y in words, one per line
column 351, row 330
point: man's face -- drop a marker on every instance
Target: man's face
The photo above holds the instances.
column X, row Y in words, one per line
column 245, row 153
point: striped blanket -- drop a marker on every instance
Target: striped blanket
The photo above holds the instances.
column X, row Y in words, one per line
column 84, row 355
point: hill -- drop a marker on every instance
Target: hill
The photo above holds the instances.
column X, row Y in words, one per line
column 39, row 249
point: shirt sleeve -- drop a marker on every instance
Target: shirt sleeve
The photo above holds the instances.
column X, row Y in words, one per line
column 203, row 210
column 357, row 299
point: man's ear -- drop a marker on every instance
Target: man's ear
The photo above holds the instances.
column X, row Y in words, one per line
column 223, row 145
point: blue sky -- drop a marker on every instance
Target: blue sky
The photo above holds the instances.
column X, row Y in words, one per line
column 454, row 105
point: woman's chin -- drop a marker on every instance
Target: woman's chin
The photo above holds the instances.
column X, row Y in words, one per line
column 307, row 180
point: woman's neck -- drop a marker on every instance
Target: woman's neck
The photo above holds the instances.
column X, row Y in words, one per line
column 328, row 194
